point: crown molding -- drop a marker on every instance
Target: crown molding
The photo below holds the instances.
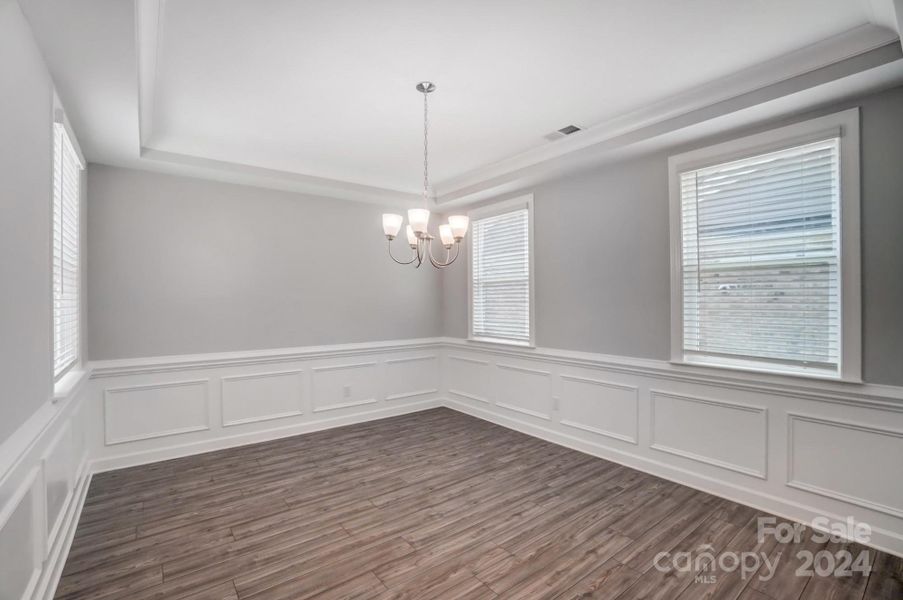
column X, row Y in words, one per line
column 854, row 52
column 846, row 55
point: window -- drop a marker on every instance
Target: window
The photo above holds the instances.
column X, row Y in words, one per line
column 67, row 167
column 765, row 251
column 501, row 270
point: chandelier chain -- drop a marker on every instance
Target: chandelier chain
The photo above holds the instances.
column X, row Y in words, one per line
column 426, row 163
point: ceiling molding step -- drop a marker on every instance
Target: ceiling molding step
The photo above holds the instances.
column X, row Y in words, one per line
column 217, row 170
column 148, row 23
column 625, row 137
column 805, row 68
column 887, row 13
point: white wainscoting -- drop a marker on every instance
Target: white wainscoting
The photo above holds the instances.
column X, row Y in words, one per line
column 725, row 434
column 140, row 412
column 159, row 408
column 261, row 397
column 868, row 457
column 790, row 446
column 42, row 488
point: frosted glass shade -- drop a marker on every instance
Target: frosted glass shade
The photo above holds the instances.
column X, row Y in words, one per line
column 419, row 218
column 445, row 233
column 458, row 224
column 392, row 224
column 412, row 239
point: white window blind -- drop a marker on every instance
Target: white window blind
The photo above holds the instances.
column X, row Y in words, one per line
column 761, row 259
column 500, row 277
column 66, row 179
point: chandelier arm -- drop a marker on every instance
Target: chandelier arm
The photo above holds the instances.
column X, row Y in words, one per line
column 447, row 262
column 419, row 252
column 413, row 256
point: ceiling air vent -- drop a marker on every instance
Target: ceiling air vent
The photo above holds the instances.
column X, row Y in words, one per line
column 564, row 131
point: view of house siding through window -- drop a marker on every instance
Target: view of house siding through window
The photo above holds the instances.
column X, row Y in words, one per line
column 760, row 258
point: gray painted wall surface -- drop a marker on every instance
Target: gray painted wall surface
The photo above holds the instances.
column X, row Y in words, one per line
column 182, row 265
column 602, row 253
column 26, row 124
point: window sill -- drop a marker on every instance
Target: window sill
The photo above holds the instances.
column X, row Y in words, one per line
column 499, row 342
column 777, row 370
column 68, row 384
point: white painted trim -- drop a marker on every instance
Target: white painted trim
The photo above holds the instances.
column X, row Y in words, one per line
column 59, row 552
column 794, row 483
column 227, row 378
column 844, row 124
column 492, row 210
column 523, row 369
column 475, row 361
column 53, row 529
column 395, row 361
column 884, row 397
column 412, row 394
column 185, row 362
column 763, row 474
column 170, row 451
column 525, row 411
column 205, row 383
column 470, row 396
column 635, row 439
column 882, row 539
column 342, row 405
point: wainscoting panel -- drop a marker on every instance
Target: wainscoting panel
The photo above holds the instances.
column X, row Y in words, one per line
column 525, row 390
column 41, row 491
column 468, row 378
column 141, row 412
column 59, row 469
column 725, row 434
column 600, row 407
column 346, row 385
column 411, row 377
column 21, row 539
column 846, row 461
column 261, row 397
column 160, row 408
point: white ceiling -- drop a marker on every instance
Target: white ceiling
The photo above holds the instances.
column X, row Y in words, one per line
column 324, row 89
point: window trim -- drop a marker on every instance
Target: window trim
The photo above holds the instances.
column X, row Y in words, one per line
column 62, row 380
column 492, row 210
column 845, row 125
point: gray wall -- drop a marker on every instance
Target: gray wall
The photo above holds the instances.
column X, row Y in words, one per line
column 26, row 125
column 602, row 254
column 182, row 266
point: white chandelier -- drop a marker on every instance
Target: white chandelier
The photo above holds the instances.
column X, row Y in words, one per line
column 419, row 238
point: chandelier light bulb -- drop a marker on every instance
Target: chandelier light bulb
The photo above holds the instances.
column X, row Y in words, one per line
column 412, row 238
column 458, row 225
column 392, row 225
column 419, row 219
column 445, row 233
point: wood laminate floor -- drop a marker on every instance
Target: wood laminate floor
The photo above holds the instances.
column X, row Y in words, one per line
column 434, row 504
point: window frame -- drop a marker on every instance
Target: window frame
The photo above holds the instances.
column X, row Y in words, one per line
column 844, row 125
column 60, row 121
column 493, row 210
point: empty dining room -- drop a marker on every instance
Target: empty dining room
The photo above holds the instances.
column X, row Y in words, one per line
column 451, row 300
